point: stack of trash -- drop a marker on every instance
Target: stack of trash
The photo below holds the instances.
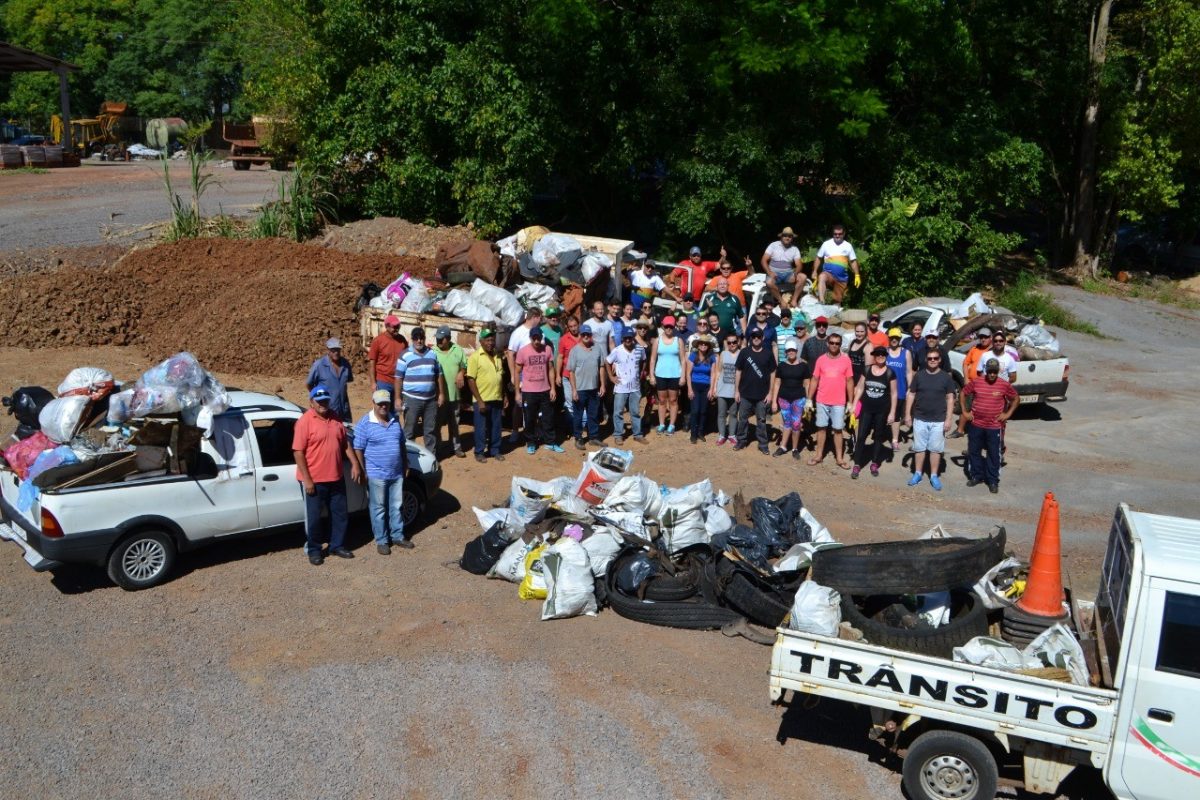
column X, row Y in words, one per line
column 124, row 432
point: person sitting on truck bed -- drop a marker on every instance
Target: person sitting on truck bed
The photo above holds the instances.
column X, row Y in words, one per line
column 333, row 372
column 782, row 263
column 647, row 285
column 420, row 386
column 834, row 262
column 319, row 441
column 385, row 351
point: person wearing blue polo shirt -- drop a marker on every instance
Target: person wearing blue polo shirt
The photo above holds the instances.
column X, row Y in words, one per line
column 421, row 388
column 333, row 372
column 381, row 452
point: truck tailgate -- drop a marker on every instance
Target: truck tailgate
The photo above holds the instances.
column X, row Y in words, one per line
column 14, row 524
column 1002, row 702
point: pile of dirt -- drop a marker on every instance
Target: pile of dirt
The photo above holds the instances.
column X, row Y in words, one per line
column 24, row 261
column 392, row 236
column 248, row 306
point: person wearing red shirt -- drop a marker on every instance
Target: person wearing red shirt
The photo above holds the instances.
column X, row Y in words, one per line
column 876, row 337
column 988, row 402
column 569, row 339
column 693, row 286
column 385, row 350
column 318, row 443
column 725, row 270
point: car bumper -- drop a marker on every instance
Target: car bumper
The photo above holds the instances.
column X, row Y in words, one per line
column 44, row 552
column 1042, row 392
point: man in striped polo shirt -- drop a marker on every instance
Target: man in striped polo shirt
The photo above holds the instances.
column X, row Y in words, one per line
column 988, row 402
column 381, row 455
column 420, row 386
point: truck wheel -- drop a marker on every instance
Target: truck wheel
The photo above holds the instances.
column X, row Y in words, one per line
column 948, row 765
column 412, row 503
column 141, row 560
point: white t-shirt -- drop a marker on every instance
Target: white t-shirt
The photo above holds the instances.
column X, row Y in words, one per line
column 518, row 338
column 653, row 281
column 832, row 248
column 601, row 332
column 1007, row 364
column 628, row 366
column 778, row 254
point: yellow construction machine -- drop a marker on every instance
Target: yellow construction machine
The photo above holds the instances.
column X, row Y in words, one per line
column 94, row 134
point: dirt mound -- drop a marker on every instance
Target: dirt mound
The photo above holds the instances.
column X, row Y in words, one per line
column 259, row 306
column 392, row 236
column 21, row 262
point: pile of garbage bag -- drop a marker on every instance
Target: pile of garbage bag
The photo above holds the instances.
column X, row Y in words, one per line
column 94, row 421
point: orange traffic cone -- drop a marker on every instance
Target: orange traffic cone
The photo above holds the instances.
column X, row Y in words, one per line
column 1043, row 595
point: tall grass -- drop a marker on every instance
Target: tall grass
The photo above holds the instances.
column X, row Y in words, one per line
column 187, row 222
column 1023, row 296
column 304, row 206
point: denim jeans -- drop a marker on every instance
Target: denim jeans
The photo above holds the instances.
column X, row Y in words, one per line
column 385, row 498
column 699, row 415
column 759, row 407
column 983, row 468
column 487, row 427
column 539, row 418
column 331, row 495
column 622, row 401
column 588, row 405
column 726, row 417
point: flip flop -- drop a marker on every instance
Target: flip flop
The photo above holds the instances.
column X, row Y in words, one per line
column 843, row 465
column 812, row 462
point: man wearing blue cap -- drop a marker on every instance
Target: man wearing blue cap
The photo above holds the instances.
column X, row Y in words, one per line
column 319, row 441
column 588, row 383
column 535, row 391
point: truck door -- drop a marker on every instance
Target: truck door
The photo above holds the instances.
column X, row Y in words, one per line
column 1162, row 752
column 280, row 498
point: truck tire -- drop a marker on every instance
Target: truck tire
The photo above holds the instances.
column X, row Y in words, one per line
column 141, row 560
column 968, row 620
column 683, row 585
column 761, row 601
column 689, row 614
column 948, row 765
column 915, row 566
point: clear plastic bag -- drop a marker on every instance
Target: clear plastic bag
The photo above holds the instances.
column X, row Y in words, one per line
column 60, row 418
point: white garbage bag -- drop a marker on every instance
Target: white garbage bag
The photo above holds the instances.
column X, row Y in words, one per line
column 985, row 651
column 969, row 307
column 530, row 499
column 681, row 519
column 799, row 556
column 816, row 609
column 557, row 250
column 60, row 417
column 820, row 534
column 634, row 493
column 592, row 265
column 602, row 547
column 538, row 294
column 716, row 519
column 1038, row 337
column 513, row 525
column 934, row 608
column 461, row 304
column 500, row 302
column 92, row 381
column 989, row 591
column 813, row 308
column 417, row 301
column 1057, row 647
column 600, row 472
column 631, row 522
column 511, row 564
column 570, row 584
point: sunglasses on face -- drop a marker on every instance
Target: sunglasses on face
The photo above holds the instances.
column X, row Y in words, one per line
column 933, row 359
column 822, row 325
column 731, row 341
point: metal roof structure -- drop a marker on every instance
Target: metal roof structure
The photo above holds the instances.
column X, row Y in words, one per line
column 18, row 59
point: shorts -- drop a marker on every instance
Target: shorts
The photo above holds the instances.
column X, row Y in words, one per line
column 666, row 384
column 783, row 274
column 831, row 416
column 838, row 272
column 929, row 436
column 792, row 412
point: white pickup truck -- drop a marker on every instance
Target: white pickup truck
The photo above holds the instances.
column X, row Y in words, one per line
column 136, row 528
column 1037, row 381
column 957, row 724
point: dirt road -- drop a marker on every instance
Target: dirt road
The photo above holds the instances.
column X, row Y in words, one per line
column 252, row 674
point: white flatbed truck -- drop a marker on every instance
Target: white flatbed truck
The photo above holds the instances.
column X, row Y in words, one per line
column 956, row 724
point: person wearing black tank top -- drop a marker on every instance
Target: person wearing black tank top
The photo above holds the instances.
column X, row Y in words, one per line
column 858, row 350
column 876, row 391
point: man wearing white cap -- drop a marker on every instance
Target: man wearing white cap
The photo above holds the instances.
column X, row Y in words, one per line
column 333, row 372
column 381, row 454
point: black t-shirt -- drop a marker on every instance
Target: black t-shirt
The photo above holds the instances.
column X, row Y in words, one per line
column 757, row 369
column 813, row 349
column 858, row 358
column 931, row 389
column 791, row 379
column 877, row 391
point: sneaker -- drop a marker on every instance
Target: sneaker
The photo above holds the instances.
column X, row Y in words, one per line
column 935, row 482
column 316, row 560
column 731, row 440
column 766, row 451
column 618, row 440
column 695, row 439
column 383, row 549
column 640, row 439
column 854, row 472
column 498, row 457
column 554, row 448
column 915, row 479
column 405, row 543
column 971, row 482
column 874, row 470
column 670, row 430
column 481, row 458
column 341, row 552
column 994, row 488
column 579, row 444
column 459, row 454
column 720, row 441
column 955, row 435
column 779, row 451
column 739, row 446
column 796, row 454
column 531, row 448
column 661, row 429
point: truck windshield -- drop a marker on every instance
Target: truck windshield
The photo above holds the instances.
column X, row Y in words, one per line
column 1114, row 590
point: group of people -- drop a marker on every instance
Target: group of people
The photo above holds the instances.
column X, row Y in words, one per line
column 707, row 358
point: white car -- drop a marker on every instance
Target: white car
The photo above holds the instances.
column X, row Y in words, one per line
column 135, row 528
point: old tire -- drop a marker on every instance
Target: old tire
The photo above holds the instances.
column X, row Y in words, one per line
column 760, row 601
column 968, row 619
column 241, row 166
column 948, row 765
column 141, row 560
column 689, row 614
column 908, row 567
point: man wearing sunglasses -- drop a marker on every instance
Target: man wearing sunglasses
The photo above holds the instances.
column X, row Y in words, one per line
column 927, row 411
column 381, row 453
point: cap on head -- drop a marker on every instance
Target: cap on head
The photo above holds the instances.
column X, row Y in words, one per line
column 668, row 321
column 392, row 321
column 985, row 331
column 585, row 329
column 536, row 332
column 487, row 333
column 787, row 232
column 553, row 311
column 333, row 343
column 320, row 393
column 695, row 251
column 821, row 321
column 443, row 332
column 931, row 334
column 879, row 351
column 895, row 333
column 627, row 334
column 418, row 333
column 992, row 365
column 381, row 396
column 791, row 344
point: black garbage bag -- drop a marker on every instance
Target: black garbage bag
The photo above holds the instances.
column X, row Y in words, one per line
column 795, row 529
column 27, row 403
column 482, row 552
column 754, row 545
column 25, row 431
column 634, row 572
